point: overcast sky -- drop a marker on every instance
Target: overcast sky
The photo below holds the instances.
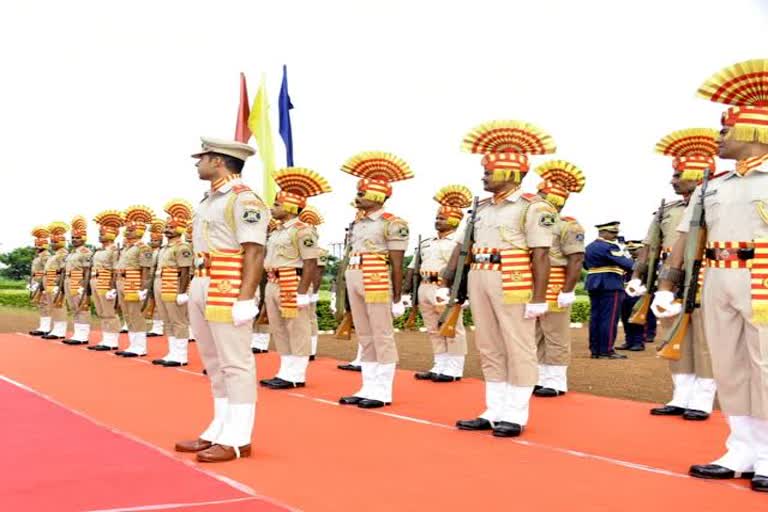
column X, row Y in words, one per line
column 102, row 103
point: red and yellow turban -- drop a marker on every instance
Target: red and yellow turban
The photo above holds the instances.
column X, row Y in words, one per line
column 79, row 227
column 377, row 170
column 179, row 215
column 156, row 229
column 136, row 219
column 453, row 199
column 560, row 179
column 745, row 86
column 693, row 150
column 505, row 146
column 110, row 222
column 310, row 215
column 41, row 235
column 58, row 229
column 296, row 185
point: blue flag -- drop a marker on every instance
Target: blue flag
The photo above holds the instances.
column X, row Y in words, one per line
column 285, row 105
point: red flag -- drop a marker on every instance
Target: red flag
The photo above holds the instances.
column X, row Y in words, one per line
column 242, row 132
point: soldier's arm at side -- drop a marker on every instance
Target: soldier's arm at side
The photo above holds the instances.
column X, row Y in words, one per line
column 573, row 271
column 540, row 265
column 408, row 280
column 396, row 257
column 449, row 272
column 674, row 261
column 307, row 276
column 318, row 279
column 253, row 268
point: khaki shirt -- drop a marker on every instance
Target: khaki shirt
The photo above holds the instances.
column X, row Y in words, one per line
column 57, row 261
column 78, row 259
column 290, row 244
column 105, row 258
column 568, row 240
column 136, row 256
column 673, row 214
column 176, row 254
column 736, row 207
column 322, row 258
column 517, row 222
column 224, row 221
column 435, row 253
column 379, row 232
column 38, row 264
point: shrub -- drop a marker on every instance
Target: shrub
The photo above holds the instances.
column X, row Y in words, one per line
column 15, row 299
column 580, row 311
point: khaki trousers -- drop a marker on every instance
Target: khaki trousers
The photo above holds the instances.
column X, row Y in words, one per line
column 175, row 318
column 261, row 328
column 738, row 346
column 132, row 314
column 373, row 323
column 79, row 315
column 44, row 305
column 105, row 309
column 291, row 335
column 57, row 314
column 430, row 313
column 694, row 354
column 506, row 341
column 553, row 338
column 314, row 329
column 224, row 349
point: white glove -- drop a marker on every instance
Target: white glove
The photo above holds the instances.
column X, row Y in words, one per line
column 398, row 309
column 465, row 304
column 182, row 299
column 243, row 312
column 664, row 305
column 80, row 291
column 534, row 310
column 142, row 294
column 442, row 295
column 55, row 290
column 314, row 298
column 33, row 287
column 302, row 300
column 406, row 300
column 111, row 294
column 565, row 299
column 635, row 288
column 332, row 303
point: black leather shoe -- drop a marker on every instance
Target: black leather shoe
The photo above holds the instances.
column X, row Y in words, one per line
column 507, row 429
column 441, row 377
column 192, row 340
column 285, row 384
column 350, row 400
column 613, row 355
column 74, row 342
column 312, row 358
column 367, row 403
column 637, row 348
column 623, row 347
column 158, row 361
column 760, row 483
column 120, row 352
column 716, row 472
column 132, row 354
column 595, row 356
column 51, row 337
column 475, row 424
column 548, row 392
column 650, row 341
column 259, row 350
column 668, row 410
column 153, row 335
column 694, row 415
column 101, row 348
column 123, row 331
column 173, row 364
column 37, row 333
column 205, row 372
column 269, row 382
column 424, row 375
column 350, row 367
column 537, row 387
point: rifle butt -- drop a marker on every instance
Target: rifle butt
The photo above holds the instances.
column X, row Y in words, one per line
column 671, row 347
column 640, row 310
column 263, row 318
column 410, row 322
column 448, row 328
column 344, row 330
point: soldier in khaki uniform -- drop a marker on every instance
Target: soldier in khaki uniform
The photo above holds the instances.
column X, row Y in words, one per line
column 188, row 239
column 553, row 329
column 103, row 278
column 693, row 383
column 156, row 231
column 230, row 231
column 37, row 280
column 77, row 266
column 261, row 332
column 436, row 253
column 174, row 265
column 133, row 275
column 734, row 300
column 310, row 215
column 374, row 275
column 509, row 273
column 291, row 264
column 54, row 268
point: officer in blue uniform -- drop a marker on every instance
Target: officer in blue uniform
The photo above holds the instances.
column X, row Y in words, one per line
column 606, row 263
column 634, row 334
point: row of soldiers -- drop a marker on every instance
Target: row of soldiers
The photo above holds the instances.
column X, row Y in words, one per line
column 516, row 257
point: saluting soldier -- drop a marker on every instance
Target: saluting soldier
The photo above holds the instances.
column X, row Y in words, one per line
column 509, row 272
column 606, row 262
column 310, row 215
column 734, row 300
column 694, row 387
column 449, row 353
column 133, row 275
column 156, row 231
column 375, row 273
column 103, row 278
column 174, row 265
column 553, row 329
column 291, row 266
column 77, row 264
column 230, row 232
column 54, row 268
column 37, row 280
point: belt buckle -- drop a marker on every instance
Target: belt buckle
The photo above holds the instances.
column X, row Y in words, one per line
column 482, row 258
column 199, row 262
column 724, row 254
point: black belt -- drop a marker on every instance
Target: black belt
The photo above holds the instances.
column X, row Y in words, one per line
column 430, row 279
column 731, row 254
column 486, row 258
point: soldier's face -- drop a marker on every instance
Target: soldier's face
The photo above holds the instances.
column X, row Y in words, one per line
column 681, row 186
column 77, row 242
column 206, row 170
column 441, row 224
column 365, row 204
column 278, row 212
column 728, row 148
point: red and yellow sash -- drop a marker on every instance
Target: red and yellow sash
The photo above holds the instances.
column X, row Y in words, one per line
column 75, row 281
column 50, row 280
column 226, row 272
column 169, row 284
column 760, row 282
column 516, row 273
column 375, row 278
column 555, row 286
column 131, row 284
column 103, row 281
column 288, row 280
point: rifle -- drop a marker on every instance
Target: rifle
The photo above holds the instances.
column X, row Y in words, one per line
column 694, row 252
column 262, row 319
column 148, row 306
column 452, row 312
column 343, row 309
column 640, row 310
column 85, row 300
column 410, row 322
column 58, row 299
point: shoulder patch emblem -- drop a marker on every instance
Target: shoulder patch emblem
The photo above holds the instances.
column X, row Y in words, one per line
column 580, row 237
column 403, row 231
column 186, row 253
column 251, row 216
column 308, row 242
column 547, row 219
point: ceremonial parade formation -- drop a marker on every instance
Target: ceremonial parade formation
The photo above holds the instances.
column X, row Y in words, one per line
column 240, row 274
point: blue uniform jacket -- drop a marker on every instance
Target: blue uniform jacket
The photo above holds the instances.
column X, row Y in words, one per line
column 606, row 265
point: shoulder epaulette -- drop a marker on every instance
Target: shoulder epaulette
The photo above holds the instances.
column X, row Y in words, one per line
column 391, row 217
column 239, row 189
column 532, row 198
column 569, row 219
column 83, row 249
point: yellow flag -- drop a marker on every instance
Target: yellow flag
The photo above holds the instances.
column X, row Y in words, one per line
column 258, row 122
